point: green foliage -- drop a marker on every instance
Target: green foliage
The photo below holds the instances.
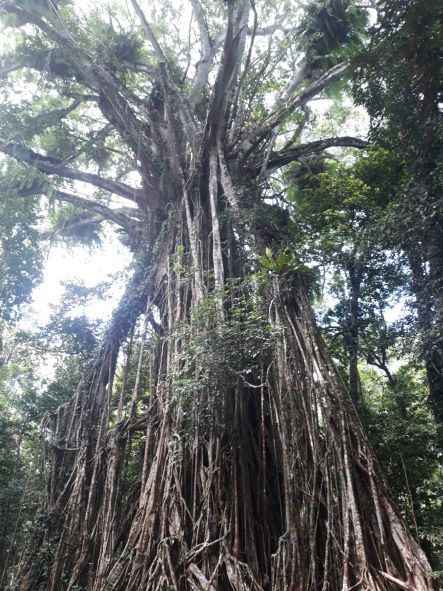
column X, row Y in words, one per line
column 332, row 30
column 399, row 81
column 220, row 351
column 69, row 332
column 405, row 436
column 20, row 469
column 20, row 249
column 180, row 264
column 58, row 143
column 339, row 219
column 283, row 262
column 117, row 47
column 24, row 399
column 400, row 77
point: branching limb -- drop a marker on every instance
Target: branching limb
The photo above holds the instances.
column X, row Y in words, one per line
column 73, row 227
column 78, row 65
column 230, row 63
column 297, row 78
column 119, row 217
column 27, row 16
column 205, row 40
column 208, row 50
column 38, row 123
column 50, row 166
column 292, row 153
column 150, row 34
column 281, row 111
column 170, row 85
column 236, row 111
column 263, row 31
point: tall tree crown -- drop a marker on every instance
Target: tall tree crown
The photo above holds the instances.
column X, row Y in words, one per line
column 101, row 98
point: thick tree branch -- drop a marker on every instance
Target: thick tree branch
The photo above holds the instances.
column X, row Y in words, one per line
column 38, row 123
column 69, row 61
column 282, row 110
column 208, row 50
column 297, row 78
column 169, row 83
column 27, row 16
column 113, row 215
column 291, row 153
column 150, row 34
column 84, row 222
column 238, row 92
column 55, row 60
column 271, row 29
column 51, row 166
column 230, row 63
column 205, row 40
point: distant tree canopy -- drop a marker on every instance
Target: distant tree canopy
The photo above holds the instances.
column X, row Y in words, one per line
column 20, row 251
column 400, row 82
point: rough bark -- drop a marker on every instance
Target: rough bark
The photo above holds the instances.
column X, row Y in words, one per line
column 245, row 481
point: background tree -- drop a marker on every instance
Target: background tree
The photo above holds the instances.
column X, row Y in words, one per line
column 400, row 84
column 405, row 435
column 338, row 218
column 20, row 491
column 346, row 216
column 68, row 343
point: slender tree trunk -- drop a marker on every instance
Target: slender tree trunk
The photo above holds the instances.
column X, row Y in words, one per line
column 428, row 179
column 434, row 241
column 425, row 305
column 352, row 337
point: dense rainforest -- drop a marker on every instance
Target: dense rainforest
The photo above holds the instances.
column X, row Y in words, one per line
column 263, row 410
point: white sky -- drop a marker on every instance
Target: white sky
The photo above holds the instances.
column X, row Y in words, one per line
column 89, row 266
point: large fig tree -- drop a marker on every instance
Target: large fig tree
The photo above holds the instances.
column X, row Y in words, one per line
column 220, row 451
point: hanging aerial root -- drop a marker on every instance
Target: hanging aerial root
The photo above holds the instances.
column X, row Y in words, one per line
column 335, row 496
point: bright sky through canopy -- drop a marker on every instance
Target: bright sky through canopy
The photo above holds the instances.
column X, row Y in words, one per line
column 81, row 264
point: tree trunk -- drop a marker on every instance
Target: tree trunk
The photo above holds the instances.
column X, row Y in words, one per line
column 432, row 349
column 434, row 240
column 352, row 336
column 241, row 464
column 254, row 471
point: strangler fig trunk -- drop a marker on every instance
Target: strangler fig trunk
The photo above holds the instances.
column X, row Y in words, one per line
column 223, row 453
column 250, row 466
